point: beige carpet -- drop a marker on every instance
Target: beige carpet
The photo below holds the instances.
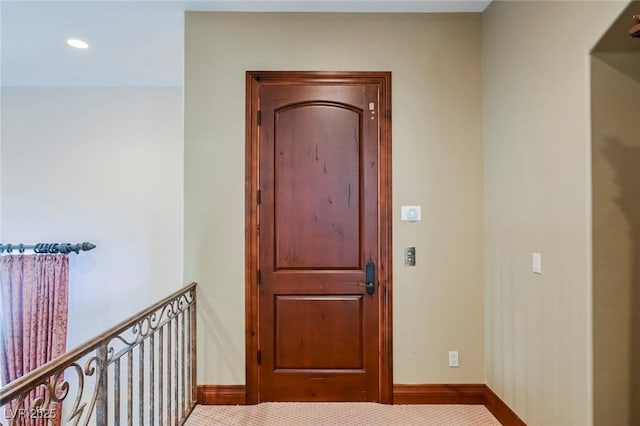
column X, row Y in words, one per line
column 339, row 414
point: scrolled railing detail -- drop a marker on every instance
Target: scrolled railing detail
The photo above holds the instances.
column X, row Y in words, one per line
column 85, row 386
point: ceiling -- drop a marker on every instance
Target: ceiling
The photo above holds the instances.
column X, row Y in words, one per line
column 617, row 39
column 138, row 43
column 619, row 50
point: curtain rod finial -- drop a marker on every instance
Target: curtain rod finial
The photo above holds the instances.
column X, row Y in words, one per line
column 88, row 246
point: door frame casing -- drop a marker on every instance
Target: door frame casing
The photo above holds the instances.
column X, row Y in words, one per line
column 252, row 339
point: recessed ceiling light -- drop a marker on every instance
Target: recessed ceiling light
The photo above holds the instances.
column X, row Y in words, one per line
column 77, row 43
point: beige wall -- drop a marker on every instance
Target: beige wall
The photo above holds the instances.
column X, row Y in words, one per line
column 437, row 162
column 537, row 199
column 615, row 107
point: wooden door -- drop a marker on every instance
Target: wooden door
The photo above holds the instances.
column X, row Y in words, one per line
column 318, row 215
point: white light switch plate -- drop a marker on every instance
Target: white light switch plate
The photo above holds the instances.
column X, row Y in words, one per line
column 536, row 263
column 411, row 213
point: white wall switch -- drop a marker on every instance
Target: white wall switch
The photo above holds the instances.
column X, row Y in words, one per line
column 411, row 213
column 536, row 263
column 453, row 358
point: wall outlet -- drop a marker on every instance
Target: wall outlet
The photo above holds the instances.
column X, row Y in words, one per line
column 453, row 358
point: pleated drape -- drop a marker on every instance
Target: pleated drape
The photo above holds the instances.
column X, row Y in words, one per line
column 34, row 290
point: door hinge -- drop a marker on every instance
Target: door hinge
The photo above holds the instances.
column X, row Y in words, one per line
column 259, row 357
column 259, row 197
column 259, row 117
column 259, row 276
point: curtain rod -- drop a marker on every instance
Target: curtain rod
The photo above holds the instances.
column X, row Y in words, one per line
column 42, row 248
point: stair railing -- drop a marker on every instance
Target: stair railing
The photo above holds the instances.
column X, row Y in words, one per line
column 140, row 372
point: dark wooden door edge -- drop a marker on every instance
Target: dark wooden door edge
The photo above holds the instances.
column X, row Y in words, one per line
column 253, row 81
column 500, row 410
column 222, row 395
column 251, row 238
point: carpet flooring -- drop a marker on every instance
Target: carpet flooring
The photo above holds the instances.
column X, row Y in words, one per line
column 340, row 414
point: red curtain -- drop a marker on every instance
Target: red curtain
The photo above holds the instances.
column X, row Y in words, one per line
column 34, row 290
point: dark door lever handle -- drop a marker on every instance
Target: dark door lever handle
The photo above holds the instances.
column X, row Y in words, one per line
column 370, row 277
